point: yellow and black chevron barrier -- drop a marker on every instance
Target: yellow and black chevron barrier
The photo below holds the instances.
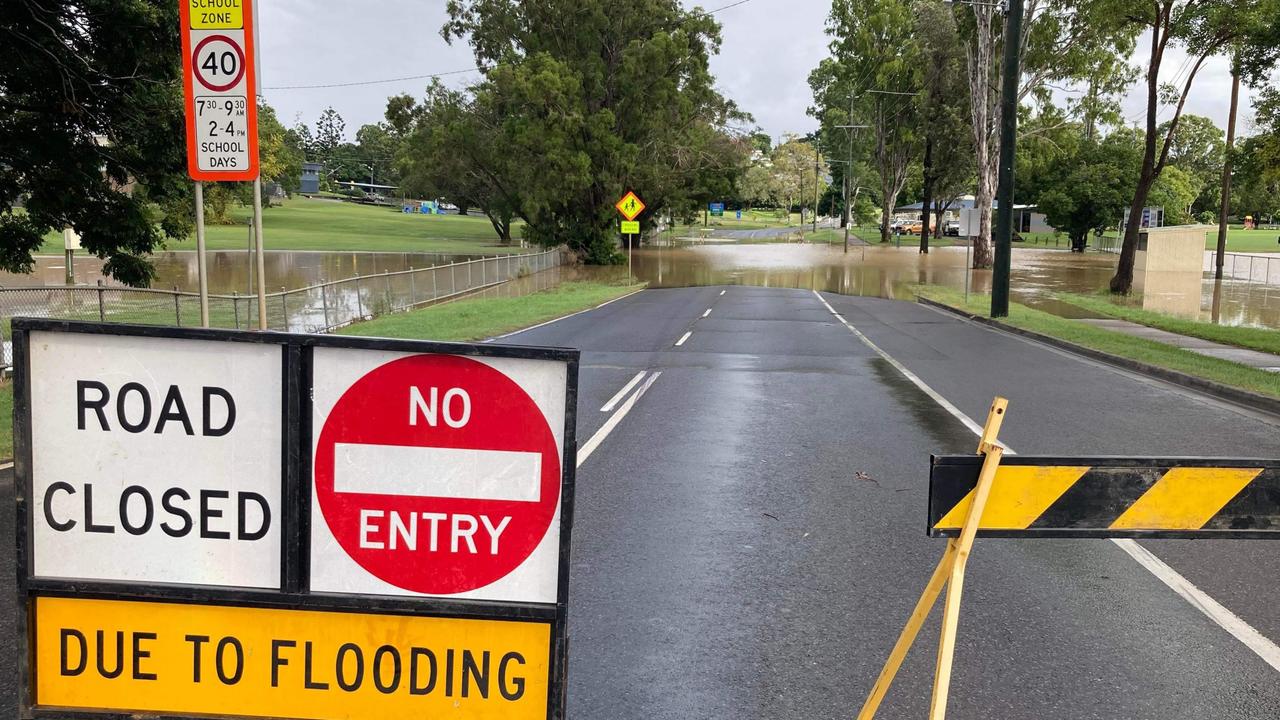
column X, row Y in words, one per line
column 990, row 495
column 1109, row 497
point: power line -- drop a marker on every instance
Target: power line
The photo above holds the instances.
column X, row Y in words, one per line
column 377, row 82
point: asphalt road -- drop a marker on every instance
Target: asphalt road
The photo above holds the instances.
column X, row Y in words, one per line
column 750, row 529
column 729, row 562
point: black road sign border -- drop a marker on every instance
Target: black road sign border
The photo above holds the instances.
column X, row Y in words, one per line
column 293, row 592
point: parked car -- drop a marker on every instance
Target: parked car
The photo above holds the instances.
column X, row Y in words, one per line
column 951, row 228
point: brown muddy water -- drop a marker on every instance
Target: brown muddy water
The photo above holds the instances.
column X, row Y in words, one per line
column 891, row 272
column 887, row 272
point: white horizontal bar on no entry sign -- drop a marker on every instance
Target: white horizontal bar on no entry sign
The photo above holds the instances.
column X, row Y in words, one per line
column 437, row 472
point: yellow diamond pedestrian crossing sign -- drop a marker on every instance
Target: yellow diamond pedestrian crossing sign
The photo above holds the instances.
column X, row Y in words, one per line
column 630, row 206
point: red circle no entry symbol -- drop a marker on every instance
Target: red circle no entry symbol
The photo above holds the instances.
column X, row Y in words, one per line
column 218, row 63
column 437, row 474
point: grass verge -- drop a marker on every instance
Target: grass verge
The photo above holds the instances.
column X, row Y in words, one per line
column 1246, row 337
column 6, row 420
column 480, row 318
column 1125, row 346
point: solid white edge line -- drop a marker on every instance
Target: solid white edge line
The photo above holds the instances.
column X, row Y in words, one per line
column 722, row 292
column 946, row 404
column 1261, row 645
column 683, row 338
column 617, row 398
column 590, row 446
column 708, row 312
column 563, row 317
column 1200, row 600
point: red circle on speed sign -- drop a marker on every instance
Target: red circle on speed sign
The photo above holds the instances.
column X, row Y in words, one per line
column 230, row 63
column 451, row 527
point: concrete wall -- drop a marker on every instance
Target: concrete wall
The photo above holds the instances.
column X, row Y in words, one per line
column 1178, row 249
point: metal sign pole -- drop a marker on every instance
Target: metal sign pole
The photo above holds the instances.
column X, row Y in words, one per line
column 201, row 267
column 630, row 242
column 257, row 234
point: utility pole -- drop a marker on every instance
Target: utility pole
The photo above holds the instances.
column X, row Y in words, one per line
column 816, row 160
column 1008, row 150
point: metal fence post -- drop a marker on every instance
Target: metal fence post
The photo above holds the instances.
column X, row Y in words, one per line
column 324, row 303
column 470, row 282
column 391, row 303
column 177, row 306
column 235, row 307
column 359, row 300
column 453, row 284
column 102, row 311
column 284, row 308
column 433, row 284
column 413, row 287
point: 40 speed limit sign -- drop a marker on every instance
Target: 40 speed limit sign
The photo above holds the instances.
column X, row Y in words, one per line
column 220, row 83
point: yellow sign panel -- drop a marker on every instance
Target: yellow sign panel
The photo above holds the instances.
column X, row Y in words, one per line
column 630, row 206
column 630, row 227
column 256, row 662
column 217, row 14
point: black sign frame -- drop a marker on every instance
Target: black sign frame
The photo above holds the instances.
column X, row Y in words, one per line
column 293, row 593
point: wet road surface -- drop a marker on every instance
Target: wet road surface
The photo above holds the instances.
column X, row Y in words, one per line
column 729, row 560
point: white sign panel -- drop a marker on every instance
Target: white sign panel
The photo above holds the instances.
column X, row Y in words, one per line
column 156, row 459
column 437, row 475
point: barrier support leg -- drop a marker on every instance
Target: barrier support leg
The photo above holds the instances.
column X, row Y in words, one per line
column 963, row 545
column 949, row 573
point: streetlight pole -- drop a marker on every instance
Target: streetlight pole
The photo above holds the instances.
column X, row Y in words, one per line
column 848, row 169
column 1008, row 151
column 817, row 159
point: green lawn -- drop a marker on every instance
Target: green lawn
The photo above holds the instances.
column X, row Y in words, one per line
column 307, row 224
column 1238, row 239
column 1127, row 346
column 480, row 318
column 1246, row 337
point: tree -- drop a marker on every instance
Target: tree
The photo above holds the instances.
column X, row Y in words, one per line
column 873, row 73
column 597, row 97
column 754, row 185
column 91, row 121
column 1198, row 148
column 1062, row 41
column 793, row 173
column 948, row 147
column 1086, row 187
column 452, row 148
column 1205, row 28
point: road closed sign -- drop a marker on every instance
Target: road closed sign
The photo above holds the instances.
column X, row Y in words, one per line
column 155, row 459
column 220, row 84
column 216, row 523
column 437, row 474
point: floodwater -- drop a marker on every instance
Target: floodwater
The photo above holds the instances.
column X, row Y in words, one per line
column 1250, row 295
column 891, row 272
column 232, row 271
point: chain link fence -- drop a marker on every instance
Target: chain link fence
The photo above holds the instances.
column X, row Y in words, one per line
column 313, row 309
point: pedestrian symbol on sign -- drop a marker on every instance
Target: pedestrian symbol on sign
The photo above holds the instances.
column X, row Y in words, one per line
column 630, row 206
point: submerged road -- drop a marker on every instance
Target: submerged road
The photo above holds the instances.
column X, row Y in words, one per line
column 750, row 522
column 750, row 518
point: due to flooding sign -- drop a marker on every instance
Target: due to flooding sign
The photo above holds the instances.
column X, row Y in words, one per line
column 220, row 83
column 235, row 524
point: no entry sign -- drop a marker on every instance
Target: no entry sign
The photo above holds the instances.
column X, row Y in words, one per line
column 221, row 89
column 437, row 474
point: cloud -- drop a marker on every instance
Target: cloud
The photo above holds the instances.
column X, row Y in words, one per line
column 769, row 48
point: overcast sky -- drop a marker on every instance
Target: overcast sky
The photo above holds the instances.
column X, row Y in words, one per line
column 770, row 46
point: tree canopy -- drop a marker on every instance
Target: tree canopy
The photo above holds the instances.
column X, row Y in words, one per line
column 90, row 130
column 591, row 98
